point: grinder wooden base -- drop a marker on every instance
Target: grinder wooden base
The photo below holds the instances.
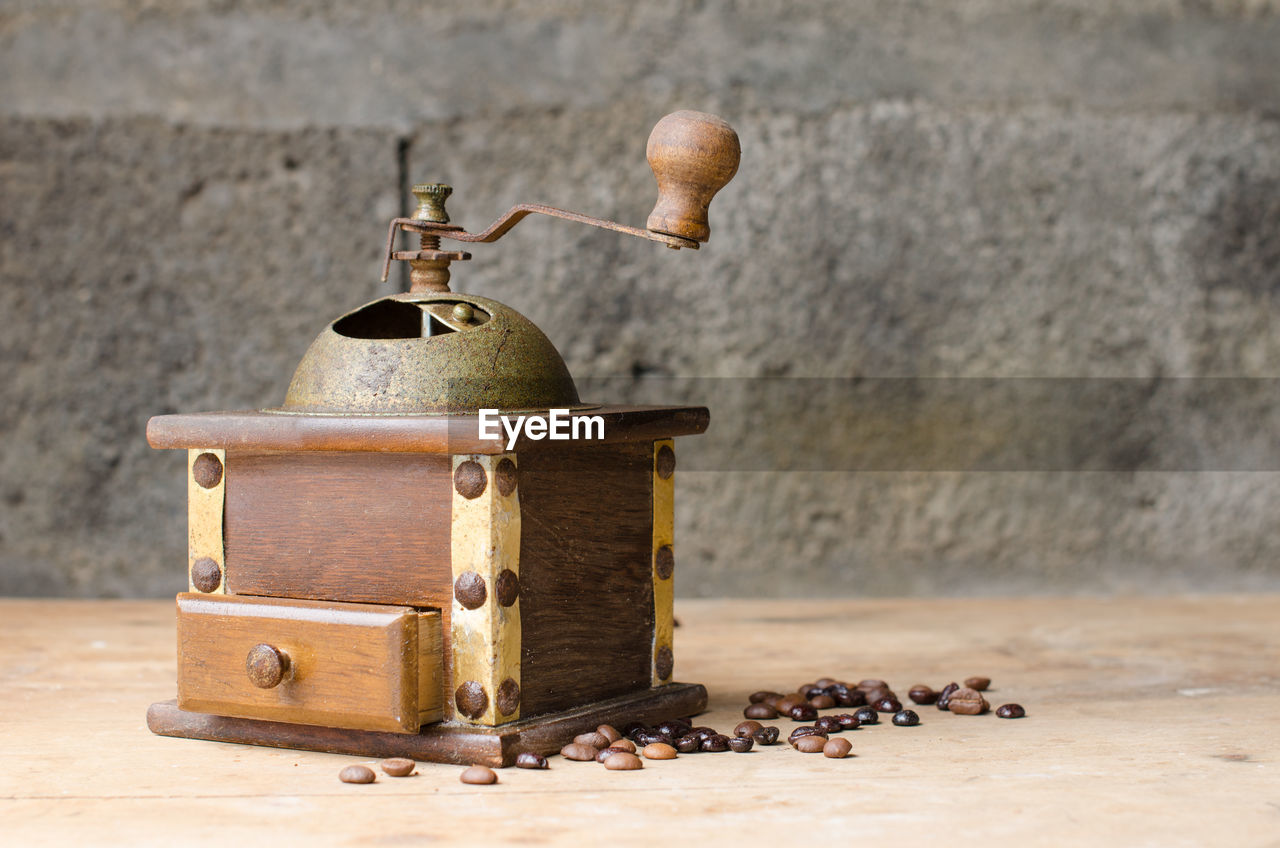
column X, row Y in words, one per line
column 438, row 743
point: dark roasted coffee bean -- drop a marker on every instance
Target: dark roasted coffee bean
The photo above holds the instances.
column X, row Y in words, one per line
column 945, row 695
column 867, row 715
column 837, row 749
column 802, row 712
column 808, row 690
column 822, row 702
column 848, row 721
column 760, row 711
column 479, row 776
column 659, row 751
column 850, row 698
column 704, row 733
column 606, row 753
column 766, row 735
column 530, row 760
column 672, row 729
column 966, row 701
column 888, row 705
column 761, row 696
column 879, row 695
column 687, row 744
column 871, row 683
column 648, row 737
column 801, row 732
column 715, row 744
column 629, row 730
column 741, row 744
column 921, row 694
column 828, row 724
column 398, row 766
column 747, row 728
column 978, row 684
column 773, row 700
column 622, row 761
column 906, row 718
column 810, row 744
column 785, row 705
column 824, row 682
column 1011, row 711
column 357, row 774
column 595, row 740
column 579, row 752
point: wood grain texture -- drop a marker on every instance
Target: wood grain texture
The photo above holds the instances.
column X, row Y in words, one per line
column 1151, row 721
column 664, row 528
column 355, row 666
column 370, row 528
column 585, row 573
column 250, row 430
column 205, row 518
column 485, row 641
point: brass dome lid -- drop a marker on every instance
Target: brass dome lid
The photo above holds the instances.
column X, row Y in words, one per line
column 430, row 353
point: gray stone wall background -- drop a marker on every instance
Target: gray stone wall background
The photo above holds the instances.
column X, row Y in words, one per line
column 937, row 189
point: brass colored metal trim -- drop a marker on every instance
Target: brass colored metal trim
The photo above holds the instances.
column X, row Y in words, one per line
column 663, row 587
column 204, row 516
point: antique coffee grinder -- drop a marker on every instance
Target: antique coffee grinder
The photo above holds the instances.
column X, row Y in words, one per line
column 370, row 574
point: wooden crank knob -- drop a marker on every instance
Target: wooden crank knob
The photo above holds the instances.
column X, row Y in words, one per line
column 266, row 665
column 693, row 155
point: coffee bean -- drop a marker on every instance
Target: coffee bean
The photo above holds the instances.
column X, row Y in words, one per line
column 888, row 705
column 801, row 732
column 965, row 701
column 945, row 695
column 685, row 744
column 595, row 740
column 747, row 728
column 978, row 684
column 906, row 718
column 357, row 774
column 715, row 744
column 773, row 700
column 479, row 776
column 848, row 721
column 822, row 702
column 530, row 760
column 623, row 761
column 784, row 706
column 879, row 695
column 761, row 696
column 610, row 751
column 704, row 733
column 624, row 745
column 608, row 732
column 824, row 682
column 809, row 690
column 869, row 684
column 659, row 751
column 630, row 729
column 648, row 737
column 849, row 697
column 867, row 715
column 1011, row 711
column 760, row 711
column 398, row 767
column 802, row 712
column 577, row 751
column 829, row 724
column 810, row 744
column 921, row 694
column 766, row 735
column 837, row 749
column 672, row 729
column 741, row 744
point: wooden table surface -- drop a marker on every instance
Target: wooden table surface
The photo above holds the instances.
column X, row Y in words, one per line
column 1150, row 722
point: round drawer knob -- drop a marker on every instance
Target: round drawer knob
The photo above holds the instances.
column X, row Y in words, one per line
column 266, row 665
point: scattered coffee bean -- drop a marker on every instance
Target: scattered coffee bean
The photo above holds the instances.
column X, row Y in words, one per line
column 672, row 729
column 766, row 735
column 808, row 690
column 784, row 706
column 609, row 733
column 625, row 745
column 648, row 737
column 921, row 694
column 849, row 697
column 837, row 749
column 715, row 744
column 801, row 732
column 659, row 751
column 579, row 752
column 631, row 728
column 606, row 753
column 867, row 715
column 848, row 721
column 530, row 760
column 965, row 701
column 979, row 684
column 760, row 697
column 622, row 761
column 479, row 776
column 888, row 705
column 760, row 711
column 773, row 700
column 685, row 744
column 741, row 744
column 704, row 733
column 945, row 695
column 357, row 774
column 906, row 718
column 398, row 766
column 810, row 744
column 829, row 724
column 595, row 740
column 802, row 712
column 879, row 695
column 869, row 683
column 822, row 702
column 824, row 682
column 747, row 728
column 1011, row 711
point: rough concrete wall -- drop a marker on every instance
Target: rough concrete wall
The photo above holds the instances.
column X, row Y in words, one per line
column 189, row 191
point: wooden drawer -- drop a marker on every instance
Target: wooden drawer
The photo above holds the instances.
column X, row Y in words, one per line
column 359, row 666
